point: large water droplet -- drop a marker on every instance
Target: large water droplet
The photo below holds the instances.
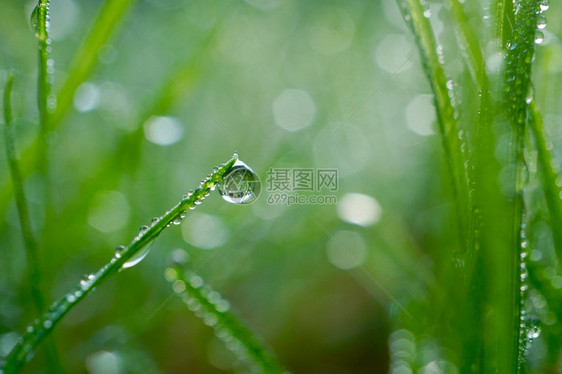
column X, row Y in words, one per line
column 241, row 185
column 139, row 256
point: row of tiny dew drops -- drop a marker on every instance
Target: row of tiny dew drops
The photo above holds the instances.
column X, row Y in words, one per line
column 205, row 303
column 529, row 326
column 236, row 193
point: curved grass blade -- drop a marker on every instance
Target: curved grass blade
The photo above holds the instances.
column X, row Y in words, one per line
column 210, row 306
column 35, row 333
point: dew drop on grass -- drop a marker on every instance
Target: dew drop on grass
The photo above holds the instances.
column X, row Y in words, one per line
column 241, row 185
column 533, row 328
column 139, row 256
column 33, row 20
column 541, row 22
column 539, row 37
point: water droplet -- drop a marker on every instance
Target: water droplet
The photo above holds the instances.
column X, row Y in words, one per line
column 511, row 46
column 176, row 221
column 193, row 304
column 85, row 281
column 544, row 6
column 143, row 228
column 178, row 286
column 533, row 328
column 541, row 22
column 170, row 274
column 196, row 281
column 539, row 37
column 210, row 319
column 214, row 297
column 241, row 185
column 48, row 324
column 155, row 219
column 33, row 20
column 119, row 250
column 222, row 306
column 139, row 256
column 70, row 298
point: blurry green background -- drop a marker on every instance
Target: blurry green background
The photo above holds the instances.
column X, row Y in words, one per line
column 286, row 84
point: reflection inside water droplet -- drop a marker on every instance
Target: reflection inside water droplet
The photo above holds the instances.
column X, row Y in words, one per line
column 241, row 185
column 139, row 256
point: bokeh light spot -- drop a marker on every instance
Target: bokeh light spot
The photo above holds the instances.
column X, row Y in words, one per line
column 109, row 211
column 359, row 209
column 293, row 110
column 346, row 250
column 163, row 130
column 204, row 231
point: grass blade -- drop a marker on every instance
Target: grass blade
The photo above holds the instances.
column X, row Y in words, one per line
column 416, row 15
column 25, row 223
column 21, row 202
column 549, row 176
column 84, row 61
column 35, row 333
column 215, row 312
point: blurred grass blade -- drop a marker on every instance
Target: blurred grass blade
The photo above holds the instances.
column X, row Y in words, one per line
column 552, row 191
column 21, row 201
column 210, row 306
column 41, row 328
column 127, row 154
column 416, row 15
column 111, row 15
column 25, row 223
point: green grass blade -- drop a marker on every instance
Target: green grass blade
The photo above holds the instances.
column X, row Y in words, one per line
column 209, row 305
column 85, row 60
column 40, row 19
column 517, row 78
column 45, row 99
column 415, row 13
column 549, row 176
column 25, row 223
column 21, row 201
column 41, row 328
